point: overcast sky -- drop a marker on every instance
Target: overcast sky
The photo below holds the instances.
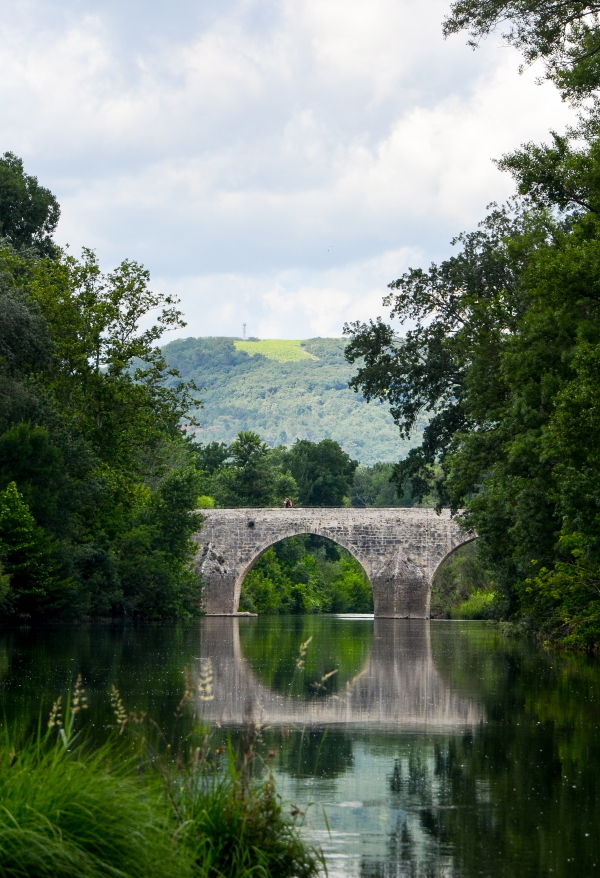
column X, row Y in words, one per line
column 274, row 163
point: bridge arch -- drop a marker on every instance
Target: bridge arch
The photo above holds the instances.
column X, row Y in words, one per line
column 468, row 538
column 245, row 570
column 399, row 549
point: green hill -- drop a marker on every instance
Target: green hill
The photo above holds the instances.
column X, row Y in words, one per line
column 284, row 390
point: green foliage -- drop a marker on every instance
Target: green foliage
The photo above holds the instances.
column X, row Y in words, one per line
column 249, row 476
column 234, row 830
column 69, row 810
column 306, row 574
column 322, row 471
column 90, row 438
column 285, row 401
column 155, row 554
column 29, row 213
column 460, row 577
column 565, row 36
column 504, row 353
column 375, row 486
column 68, row 814
column 30, row 557
column 480, row 605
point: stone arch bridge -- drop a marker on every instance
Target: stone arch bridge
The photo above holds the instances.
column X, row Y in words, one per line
column 399, row 549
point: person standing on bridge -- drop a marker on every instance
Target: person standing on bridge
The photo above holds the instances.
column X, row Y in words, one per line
column 287, row 503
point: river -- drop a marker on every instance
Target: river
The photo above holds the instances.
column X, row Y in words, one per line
column 414, row 749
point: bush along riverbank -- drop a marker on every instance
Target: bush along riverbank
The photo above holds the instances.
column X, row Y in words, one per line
column 134, row 807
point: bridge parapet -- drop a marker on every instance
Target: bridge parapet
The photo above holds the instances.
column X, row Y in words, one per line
column 399, row 549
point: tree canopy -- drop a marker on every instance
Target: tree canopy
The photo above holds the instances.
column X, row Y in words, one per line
column 323, row 472
column 97, row 481
column 502, row 353
column 29, row 213
column 565, row 36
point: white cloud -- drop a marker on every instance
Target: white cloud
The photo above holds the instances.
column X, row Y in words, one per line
column 274, row 162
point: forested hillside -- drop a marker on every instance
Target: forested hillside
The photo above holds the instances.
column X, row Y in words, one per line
column 285, row 391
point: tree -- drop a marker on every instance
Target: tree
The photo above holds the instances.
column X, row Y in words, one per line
column 563, row 34
column 90, row 427
column 29, row 213
column 374, row 486
column 446, row 366
column 211, row 457
column 323, row 472
column 503, row 357
column 250, row 476
column 30, row 557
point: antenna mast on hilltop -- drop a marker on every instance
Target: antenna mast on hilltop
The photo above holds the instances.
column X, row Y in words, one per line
column 244, row 330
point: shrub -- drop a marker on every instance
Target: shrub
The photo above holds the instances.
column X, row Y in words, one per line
column 237, row 830
column 480, row 605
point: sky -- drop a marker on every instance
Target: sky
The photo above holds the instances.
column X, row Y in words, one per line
column 271, row 163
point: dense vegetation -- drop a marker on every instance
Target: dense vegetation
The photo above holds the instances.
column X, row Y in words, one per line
column 249, row 473
column 504, row 352
column 306, row 574
column 129, row 807
column 97, row 482
column 462, row 588
column 284, row 398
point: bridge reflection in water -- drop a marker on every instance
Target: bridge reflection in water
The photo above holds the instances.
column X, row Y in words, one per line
column 399, row 686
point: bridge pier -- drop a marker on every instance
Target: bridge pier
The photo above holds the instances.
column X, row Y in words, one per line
column 399, row 549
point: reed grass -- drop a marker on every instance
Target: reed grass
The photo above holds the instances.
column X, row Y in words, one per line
column 121, row 810
column 65, row 814
column 239, row 829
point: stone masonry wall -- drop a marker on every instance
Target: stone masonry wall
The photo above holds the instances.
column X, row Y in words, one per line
column 400, row 550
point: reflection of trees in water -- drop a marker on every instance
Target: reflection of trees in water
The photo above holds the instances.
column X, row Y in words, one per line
column 318, row 753
column 422, row 843
column 390, row 677
column 508, row 801
column 273, row 650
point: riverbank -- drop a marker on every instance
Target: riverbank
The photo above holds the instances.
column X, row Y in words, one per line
column 132, row 807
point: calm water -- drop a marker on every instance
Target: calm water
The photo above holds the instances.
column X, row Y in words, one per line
column 416, row 749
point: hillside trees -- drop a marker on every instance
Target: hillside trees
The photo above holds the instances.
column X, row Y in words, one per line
column 305, row 398
column 91, row 452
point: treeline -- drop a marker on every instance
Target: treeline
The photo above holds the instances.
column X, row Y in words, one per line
column 250, row 473
column 97, row 482
column 504, row 352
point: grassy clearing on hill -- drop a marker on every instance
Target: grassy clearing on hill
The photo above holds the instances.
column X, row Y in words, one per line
column 284, row 350
column 307, row 398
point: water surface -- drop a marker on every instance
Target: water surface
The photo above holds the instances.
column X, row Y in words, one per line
column 415, row 749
